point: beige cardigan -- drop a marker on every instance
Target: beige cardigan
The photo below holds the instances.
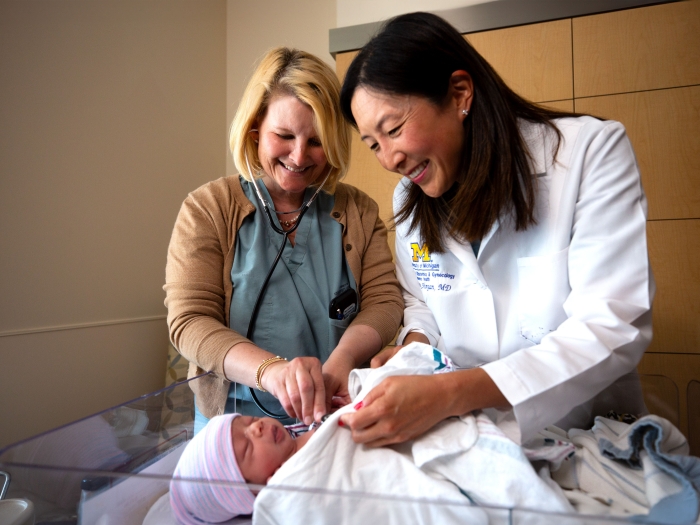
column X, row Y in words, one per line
column 198, row 277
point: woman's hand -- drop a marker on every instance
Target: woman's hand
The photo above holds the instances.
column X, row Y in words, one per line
column 299, row 387
column 382, row 357
column 404, row 407
column 335, row 374
column 337, row 393
column 358, row 344
column 390, row 351
column 398, row 409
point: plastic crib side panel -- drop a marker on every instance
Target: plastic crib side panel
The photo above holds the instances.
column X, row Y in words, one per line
column 59, row 469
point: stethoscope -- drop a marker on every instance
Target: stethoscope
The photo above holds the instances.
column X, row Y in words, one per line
column 285, row 234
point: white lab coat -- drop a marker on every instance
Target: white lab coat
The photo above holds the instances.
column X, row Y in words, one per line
column 559, row 312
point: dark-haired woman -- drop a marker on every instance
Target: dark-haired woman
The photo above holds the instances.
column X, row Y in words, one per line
column 520, row 242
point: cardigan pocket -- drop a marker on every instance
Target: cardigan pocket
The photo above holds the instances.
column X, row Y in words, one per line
column 543, row 286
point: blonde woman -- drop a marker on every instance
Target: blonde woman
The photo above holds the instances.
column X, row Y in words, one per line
column 332, row 300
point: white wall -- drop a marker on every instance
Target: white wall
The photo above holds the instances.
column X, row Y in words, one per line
column 353, row 12
column 110, row 112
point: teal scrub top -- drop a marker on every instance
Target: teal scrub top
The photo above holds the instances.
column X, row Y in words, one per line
column 293, row 320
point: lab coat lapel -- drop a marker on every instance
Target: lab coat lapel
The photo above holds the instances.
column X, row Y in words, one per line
column 465, row 255
column 485, row 240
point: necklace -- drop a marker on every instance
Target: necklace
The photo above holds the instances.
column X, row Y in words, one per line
column 290, row 222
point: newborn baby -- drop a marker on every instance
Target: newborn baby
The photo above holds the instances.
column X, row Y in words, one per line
column 460, row 460
column 234, row 448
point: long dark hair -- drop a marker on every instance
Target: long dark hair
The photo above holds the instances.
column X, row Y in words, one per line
column 416, row 54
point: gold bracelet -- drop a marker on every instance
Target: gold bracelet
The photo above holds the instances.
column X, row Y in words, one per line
column 267, row 362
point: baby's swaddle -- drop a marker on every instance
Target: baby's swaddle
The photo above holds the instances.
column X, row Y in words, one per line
column 458, row 460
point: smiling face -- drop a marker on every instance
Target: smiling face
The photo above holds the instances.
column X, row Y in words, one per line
column 412, row 136
column 289, row 149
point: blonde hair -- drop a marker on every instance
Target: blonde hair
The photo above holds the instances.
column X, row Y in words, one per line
column 290, row 71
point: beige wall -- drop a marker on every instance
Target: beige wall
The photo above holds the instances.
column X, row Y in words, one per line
column 110, row 113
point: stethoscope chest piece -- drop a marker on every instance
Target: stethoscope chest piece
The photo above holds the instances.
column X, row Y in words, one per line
column 316, row 424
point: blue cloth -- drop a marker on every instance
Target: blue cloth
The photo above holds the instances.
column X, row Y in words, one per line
column 475, row 247
column 200, row 420
column 648, row 435
column 293, row 319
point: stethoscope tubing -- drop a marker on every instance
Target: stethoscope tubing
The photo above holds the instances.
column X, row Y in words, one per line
column 258, row 301
column 254, row 315
column 256, row 308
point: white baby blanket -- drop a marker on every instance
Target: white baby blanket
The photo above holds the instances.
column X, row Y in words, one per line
column 459, row 460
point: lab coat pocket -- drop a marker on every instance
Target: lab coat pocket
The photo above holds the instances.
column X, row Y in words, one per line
column 543, row 286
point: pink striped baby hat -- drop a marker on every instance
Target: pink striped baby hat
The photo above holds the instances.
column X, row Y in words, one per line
column 209, row 456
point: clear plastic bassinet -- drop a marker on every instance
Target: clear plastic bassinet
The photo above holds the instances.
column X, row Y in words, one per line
column 115, row 467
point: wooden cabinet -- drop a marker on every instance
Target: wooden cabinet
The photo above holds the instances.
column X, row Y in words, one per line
column 639, row 49
column 663, row 127
column 641, row 67
column 671, row 388
column 534, row 60
column 674, row 250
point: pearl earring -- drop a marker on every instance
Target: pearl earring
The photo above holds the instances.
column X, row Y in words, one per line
column 465, row 112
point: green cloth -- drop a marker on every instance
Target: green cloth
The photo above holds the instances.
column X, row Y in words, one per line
column 293, row 319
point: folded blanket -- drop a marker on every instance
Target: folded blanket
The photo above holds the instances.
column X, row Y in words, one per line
column 641, row 470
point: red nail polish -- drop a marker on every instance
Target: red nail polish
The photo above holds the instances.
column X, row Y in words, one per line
column 340, row 423
column 358, row 406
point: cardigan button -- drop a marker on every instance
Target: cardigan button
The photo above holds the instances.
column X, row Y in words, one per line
column 348, row 247
column 336, row 214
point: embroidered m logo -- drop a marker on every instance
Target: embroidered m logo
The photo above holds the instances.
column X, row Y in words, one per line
column 420, row 253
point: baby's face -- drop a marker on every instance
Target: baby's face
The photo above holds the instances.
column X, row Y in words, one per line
column 261, row 446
